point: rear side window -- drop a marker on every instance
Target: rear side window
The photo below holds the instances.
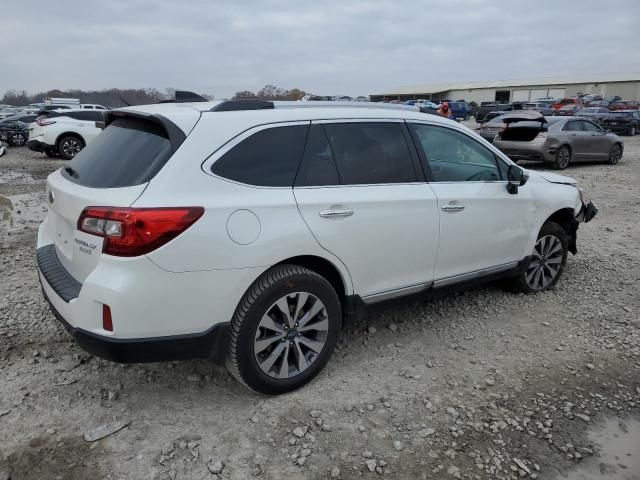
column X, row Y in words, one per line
column 574, row 126
column 318, row 166
column 371, row 153
column 130, row 151
column 268, row 158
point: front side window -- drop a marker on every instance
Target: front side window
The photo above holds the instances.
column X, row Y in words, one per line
column 268, row 158
column 590, row 127
column 371, row 153
column 453, row 156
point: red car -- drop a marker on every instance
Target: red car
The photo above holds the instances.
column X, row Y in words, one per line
column 565, row 101
column 625, row 105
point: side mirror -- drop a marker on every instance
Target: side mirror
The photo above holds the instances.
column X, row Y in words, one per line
column 516, row 177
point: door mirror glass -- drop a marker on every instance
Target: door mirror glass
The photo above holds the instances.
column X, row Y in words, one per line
column 516, row 177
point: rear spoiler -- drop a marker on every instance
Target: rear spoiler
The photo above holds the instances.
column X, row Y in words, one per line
column 521, row 117
column 175, row 133
column 185, row 96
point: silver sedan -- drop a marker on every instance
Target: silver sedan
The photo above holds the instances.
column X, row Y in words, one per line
column 557, row 140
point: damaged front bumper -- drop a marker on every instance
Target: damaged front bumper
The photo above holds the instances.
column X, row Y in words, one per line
column 587, row 212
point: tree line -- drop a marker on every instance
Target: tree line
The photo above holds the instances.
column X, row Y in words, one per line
column 116, row 97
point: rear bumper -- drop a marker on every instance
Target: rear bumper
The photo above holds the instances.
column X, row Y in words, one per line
column 620, row 128
column 37, row 145
column 210, row 344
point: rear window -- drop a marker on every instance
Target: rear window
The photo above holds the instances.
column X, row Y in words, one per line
column 130, row 151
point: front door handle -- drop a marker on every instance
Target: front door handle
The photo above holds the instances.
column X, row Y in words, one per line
column 452, row 207
column 331, row 213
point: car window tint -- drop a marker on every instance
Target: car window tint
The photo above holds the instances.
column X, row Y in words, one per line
column 573, row 126
column 371, row 153
column 590, row 127
column 318, row 167
column 268, row 158
column 455, row 157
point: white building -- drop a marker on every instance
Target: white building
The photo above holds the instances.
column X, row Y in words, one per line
column 625, row 85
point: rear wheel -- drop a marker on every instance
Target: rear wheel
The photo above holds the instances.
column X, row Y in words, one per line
column 284, row 330
column 563, row 157
column 547, row 260
column 17, row 139
column 69, row 146
column 615, row 154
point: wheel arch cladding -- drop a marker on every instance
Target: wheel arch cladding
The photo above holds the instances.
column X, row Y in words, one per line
column 324, row 268
column 71, row 134
column 566, row 219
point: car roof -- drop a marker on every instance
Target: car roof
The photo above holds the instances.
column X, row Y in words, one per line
column 186, row 115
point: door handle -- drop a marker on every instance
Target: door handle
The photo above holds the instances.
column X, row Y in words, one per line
column 452, row 207
column 336, row 213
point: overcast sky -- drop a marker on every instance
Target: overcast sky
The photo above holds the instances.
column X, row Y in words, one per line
column 325, row 47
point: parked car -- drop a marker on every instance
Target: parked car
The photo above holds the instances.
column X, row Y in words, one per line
column 488, row 130
column 156, row 248
column 557, row 140
column 623, row 121
column 595, row 114
column 15, row 133
column 543, row 107
column 460, row 110
column 20, row 117
column 558, row 104
column 624, row 105
column 427, row 104
column 9, row 112
column 64, row 132
column 92, row 106
column 588, row 98
column 567, row 110
column 485, row 108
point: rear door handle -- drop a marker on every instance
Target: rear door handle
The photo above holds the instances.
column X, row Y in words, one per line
column 331, row 213
column 452, row 207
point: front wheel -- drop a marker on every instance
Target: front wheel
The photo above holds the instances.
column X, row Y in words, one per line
column 563, row 157
column 547, row 260
column 615, row 154
column 284, row 330
column 17, row 139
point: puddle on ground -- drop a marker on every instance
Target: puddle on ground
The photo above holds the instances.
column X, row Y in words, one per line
column 14, row 176
column 18, row 212
column 618, row 444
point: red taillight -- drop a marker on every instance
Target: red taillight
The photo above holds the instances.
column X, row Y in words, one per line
column 42, row 123
column 129, row 232
column 107, row 322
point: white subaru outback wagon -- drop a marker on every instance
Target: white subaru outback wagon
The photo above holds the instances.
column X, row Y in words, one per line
column 249, row 231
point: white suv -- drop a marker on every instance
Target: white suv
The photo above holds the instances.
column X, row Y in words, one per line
column 64, row 133
column 250, row 230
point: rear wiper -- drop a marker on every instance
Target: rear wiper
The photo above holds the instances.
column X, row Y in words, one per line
column 71, row 172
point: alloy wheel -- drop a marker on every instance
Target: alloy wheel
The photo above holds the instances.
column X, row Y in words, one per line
column 545, row 264
column 616, row 153
column 291, row 335
column 563, row 157
column 71, row 147
column 18, row 139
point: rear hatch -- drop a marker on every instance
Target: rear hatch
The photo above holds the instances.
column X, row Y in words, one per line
column 618, row 118
column 112, row 171
column 522, row 126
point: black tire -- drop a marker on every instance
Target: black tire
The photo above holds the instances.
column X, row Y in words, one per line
column 16, row 139
column 69, row 146
column 615, row 154
column 274, row 284
column 563, row 157
column 520, row 282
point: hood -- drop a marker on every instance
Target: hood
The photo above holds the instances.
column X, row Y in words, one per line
column 523, row 116
column 556, row 178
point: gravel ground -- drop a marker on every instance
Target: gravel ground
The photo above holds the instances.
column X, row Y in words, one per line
column 475, row 384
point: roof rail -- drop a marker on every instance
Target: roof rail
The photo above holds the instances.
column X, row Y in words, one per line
column 338, row 104
column 246, row 104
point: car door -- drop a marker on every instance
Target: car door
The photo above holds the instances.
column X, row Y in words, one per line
column 362, row 193
column 598, row 143
column 483, row 228
column 576, row 138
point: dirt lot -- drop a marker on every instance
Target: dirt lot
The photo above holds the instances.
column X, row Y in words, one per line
column 476, row 384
